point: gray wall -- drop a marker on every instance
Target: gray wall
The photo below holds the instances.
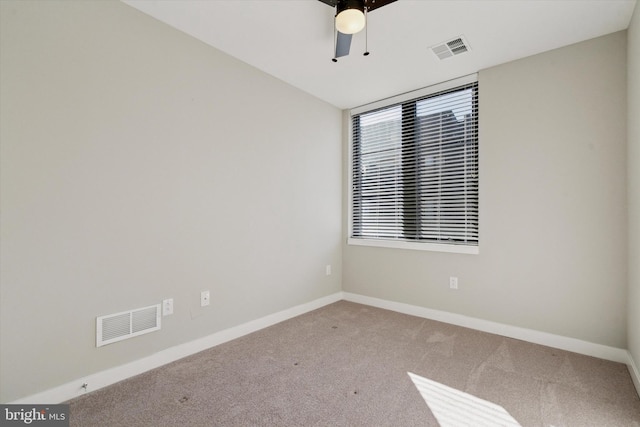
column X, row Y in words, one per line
column 633, row 156
column 140, row 164
column 553, row 234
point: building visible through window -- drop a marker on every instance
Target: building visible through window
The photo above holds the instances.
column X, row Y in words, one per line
column 415, row 170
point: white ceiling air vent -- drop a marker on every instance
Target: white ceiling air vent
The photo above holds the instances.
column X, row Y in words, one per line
column 451, row 48
column 127, row 324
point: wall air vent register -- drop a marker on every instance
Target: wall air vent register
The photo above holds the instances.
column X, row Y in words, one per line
column 127, row 324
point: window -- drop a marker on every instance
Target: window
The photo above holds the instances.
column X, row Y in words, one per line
column 414, row 171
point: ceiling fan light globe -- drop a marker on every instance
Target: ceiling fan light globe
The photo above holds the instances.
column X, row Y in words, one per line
column 350, row 21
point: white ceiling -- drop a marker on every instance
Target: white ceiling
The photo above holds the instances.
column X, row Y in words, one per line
column 293, row 39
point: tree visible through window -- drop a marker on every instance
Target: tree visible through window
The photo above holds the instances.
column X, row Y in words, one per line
column 415, row 169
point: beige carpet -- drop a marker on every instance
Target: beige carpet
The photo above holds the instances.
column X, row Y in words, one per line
column 348, row 364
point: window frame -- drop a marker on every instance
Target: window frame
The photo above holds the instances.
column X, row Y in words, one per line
column 402, row 244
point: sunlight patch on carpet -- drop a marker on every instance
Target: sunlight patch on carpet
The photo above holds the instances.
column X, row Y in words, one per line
column 454, row 408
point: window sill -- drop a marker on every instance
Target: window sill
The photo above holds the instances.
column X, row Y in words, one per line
column 398, row 244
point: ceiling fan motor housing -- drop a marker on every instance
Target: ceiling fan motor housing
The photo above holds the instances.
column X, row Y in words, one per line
column 350, row 4
column 351, row 10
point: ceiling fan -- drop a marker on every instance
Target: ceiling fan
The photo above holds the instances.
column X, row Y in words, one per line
column 350, row 18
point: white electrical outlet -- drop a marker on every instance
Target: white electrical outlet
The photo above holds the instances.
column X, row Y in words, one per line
column 453, row 282
column 167, row 307
column 205, row 298
column 327, row 270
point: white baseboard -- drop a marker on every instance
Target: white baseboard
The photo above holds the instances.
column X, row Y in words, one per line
column 111, row 376
column 536, row 337
column 633, row 370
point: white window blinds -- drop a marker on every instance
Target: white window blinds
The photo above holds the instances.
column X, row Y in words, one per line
column 415, row 169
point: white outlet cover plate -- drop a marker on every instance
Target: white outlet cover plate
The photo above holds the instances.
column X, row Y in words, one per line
column 204, row 298
column 167, row 307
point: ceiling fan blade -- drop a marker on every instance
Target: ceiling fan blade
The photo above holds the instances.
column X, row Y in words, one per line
column 343, row 44
column 331, row 3
column 372, row 5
